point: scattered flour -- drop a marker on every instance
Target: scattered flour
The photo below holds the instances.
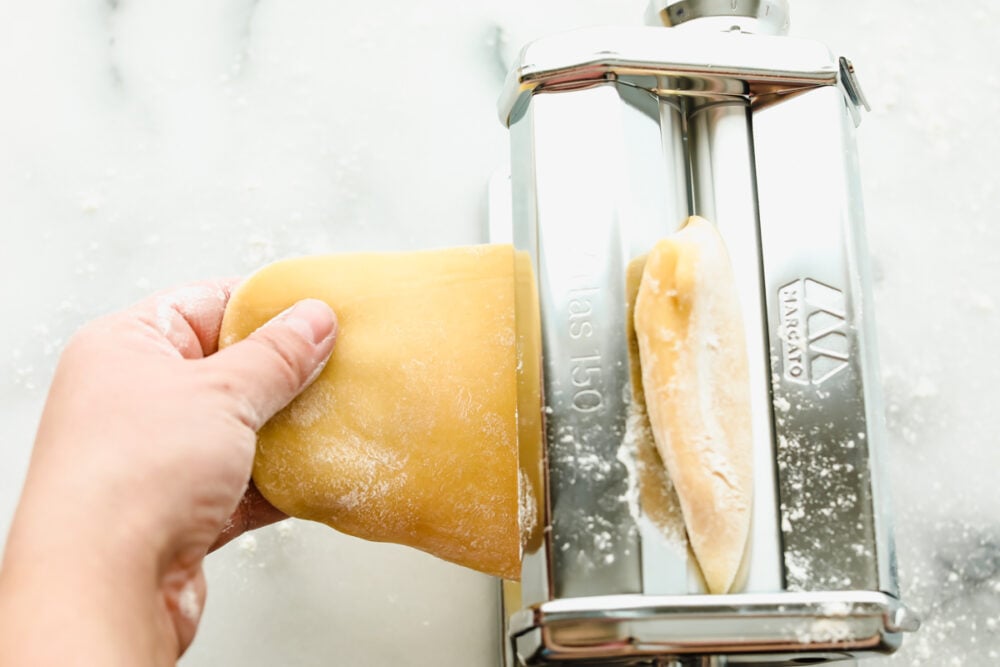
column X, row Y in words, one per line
column 527, row 507
column 825, row 631
column 188, row 602
column 247, row 544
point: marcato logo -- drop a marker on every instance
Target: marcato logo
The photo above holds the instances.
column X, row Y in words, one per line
column 814, row 345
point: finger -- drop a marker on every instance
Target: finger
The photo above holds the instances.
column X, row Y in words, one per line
column 272, row 365
column 253, row 512
column 188, row 318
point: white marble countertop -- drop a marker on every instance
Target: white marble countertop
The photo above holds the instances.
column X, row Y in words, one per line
column 144, row 144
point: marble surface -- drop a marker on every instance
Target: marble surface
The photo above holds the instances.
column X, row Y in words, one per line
column 144, row 144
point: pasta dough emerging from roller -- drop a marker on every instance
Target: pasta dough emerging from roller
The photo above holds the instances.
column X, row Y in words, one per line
column 696, row 382
column 409, row 433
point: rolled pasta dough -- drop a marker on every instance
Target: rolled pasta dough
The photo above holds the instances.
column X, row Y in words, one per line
column 696, row 382
column 409, row 434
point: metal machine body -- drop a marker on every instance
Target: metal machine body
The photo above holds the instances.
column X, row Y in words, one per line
column 617, row 136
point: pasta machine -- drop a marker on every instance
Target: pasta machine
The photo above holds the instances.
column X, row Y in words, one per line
column 617, row 135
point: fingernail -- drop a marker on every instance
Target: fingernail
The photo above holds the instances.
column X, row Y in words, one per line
column 312, row 319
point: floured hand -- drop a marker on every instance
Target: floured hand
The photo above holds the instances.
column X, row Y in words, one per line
column 142, row 457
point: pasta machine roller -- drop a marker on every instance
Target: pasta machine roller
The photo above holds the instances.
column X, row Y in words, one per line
column 617, row 135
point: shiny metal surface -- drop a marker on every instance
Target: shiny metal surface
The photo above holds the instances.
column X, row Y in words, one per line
column 828, row 411
column 758, row 629
column 582, row 221
column 683, row 64
column 852, row 88
column 617, row 136
column 580, row 281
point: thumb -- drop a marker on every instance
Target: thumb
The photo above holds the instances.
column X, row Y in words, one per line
column 271, row 366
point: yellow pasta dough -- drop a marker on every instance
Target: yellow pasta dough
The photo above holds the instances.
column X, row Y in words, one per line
column 409, row 434
column 695, row 379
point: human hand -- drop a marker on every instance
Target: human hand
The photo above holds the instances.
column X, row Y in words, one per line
column 143, row 453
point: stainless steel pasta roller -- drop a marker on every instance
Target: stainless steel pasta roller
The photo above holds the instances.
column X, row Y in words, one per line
column 617, row 136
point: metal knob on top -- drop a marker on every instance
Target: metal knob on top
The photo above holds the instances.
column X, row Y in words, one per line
column 762, row 17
